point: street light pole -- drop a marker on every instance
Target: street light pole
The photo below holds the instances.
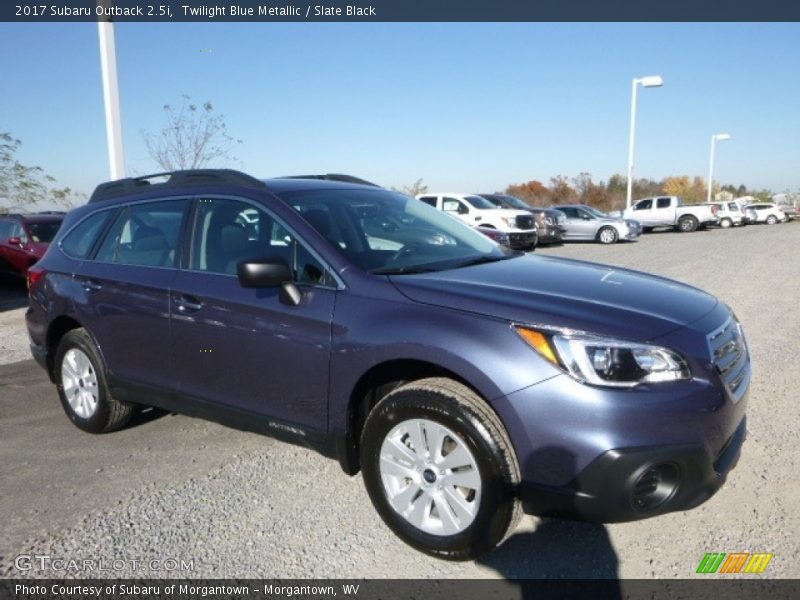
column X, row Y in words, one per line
column 721, row 137
column 108, row 65
column 650, row 81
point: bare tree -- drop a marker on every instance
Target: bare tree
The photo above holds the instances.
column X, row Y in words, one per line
column 414, row 189
column 21, row 185
column 194, row 137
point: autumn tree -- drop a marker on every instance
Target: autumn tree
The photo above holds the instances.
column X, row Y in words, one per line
column 677, row 186
column 194, row 136
column 561, row 191
column 533, row 192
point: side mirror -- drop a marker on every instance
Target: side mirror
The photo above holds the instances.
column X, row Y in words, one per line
column 269, row 272
column 263, row 272
column 15, row 241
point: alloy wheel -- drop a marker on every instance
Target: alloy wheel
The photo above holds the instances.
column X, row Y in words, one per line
column 79, row 381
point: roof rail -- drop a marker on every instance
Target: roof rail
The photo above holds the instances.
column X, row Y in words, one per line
column 121, row 187
column 334, row 177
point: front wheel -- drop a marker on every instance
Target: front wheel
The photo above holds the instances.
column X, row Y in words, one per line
column 82, row 388
column 725, row 223
column 772, row 219
column 440, row 469
column 607, row 235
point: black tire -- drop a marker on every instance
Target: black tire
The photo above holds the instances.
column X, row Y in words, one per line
column 532, row 247
column 687, row 224
column 607, row 235
column 647, row 229
column 458, row 408
column 109, row 414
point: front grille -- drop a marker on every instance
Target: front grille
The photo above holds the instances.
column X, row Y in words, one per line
column 730, row 357
column 525, row 222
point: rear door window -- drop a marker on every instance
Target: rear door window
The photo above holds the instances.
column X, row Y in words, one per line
column 145, row 235
column 663, row 203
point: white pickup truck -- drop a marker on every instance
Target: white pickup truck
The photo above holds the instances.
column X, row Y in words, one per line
column 670, row 211
column 479, row 212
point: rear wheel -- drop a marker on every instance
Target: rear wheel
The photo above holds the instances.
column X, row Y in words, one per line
column 772, row 219
column 607, row 235
column 440, row 470
column 687, row 224
column 82, row 387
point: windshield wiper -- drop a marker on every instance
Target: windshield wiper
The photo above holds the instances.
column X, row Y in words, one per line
column 480, row 260
column 403, row 271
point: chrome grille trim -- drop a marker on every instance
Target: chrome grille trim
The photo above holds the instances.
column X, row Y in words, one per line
column 728, row 351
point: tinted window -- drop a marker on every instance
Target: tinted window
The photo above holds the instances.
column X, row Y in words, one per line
column 18, row 231
column 145, row 234
column 479, row 202
column 663, row 203
column 644, row 205
column 429, row 200
column 5, row 230
column 568, row 211
column 43, row 231
column 79, row 242
column 227, row 232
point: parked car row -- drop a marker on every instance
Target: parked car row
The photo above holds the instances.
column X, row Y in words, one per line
column 499, row 217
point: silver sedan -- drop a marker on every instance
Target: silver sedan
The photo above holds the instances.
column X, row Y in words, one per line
column 585, row 222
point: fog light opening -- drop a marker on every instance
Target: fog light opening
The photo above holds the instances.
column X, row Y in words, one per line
column 654, row 486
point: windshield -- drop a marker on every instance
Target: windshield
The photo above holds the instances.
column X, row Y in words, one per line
column 479, row 202
column 385, row 232
column 43, row 231
column 514, row 202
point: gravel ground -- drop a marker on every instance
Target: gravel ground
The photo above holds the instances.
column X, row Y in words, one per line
column 13, row 337
column 276, row 510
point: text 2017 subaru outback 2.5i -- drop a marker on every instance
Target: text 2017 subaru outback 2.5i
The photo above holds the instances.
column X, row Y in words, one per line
column 465, row 380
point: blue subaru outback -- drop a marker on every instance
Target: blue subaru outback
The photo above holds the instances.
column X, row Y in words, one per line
column 466, row 381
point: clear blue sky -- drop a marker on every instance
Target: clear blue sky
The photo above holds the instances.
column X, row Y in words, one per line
column 467, row 107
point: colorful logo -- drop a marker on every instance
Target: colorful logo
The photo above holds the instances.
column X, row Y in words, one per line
column 735, row 562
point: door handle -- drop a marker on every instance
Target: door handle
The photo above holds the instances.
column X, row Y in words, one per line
column 187, row 304
column 90, row 285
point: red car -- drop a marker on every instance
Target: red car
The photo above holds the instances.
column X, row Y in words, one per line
column 24, row 239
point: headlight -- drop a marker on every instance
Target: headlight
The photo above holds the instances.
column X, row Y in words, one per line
column 608, row 362
column 510, row 221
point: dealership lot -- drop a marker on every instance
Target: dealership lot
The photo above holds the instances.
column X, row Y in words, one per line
column 235, row 504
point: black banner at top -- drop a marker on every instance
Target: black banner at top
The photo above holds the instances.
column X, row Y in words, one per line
column 150, row 11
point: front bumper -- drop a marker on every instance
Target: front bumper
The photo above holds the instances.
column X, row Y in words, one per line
column 550, row 234
column 628, row 484
column 522, row 239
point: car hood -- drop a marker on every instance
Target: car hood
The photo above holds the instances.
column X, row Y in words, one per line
column 562, row 293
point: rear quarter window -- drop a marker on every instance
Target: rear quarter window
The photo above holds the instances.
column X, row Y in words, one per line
column 79, row 242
